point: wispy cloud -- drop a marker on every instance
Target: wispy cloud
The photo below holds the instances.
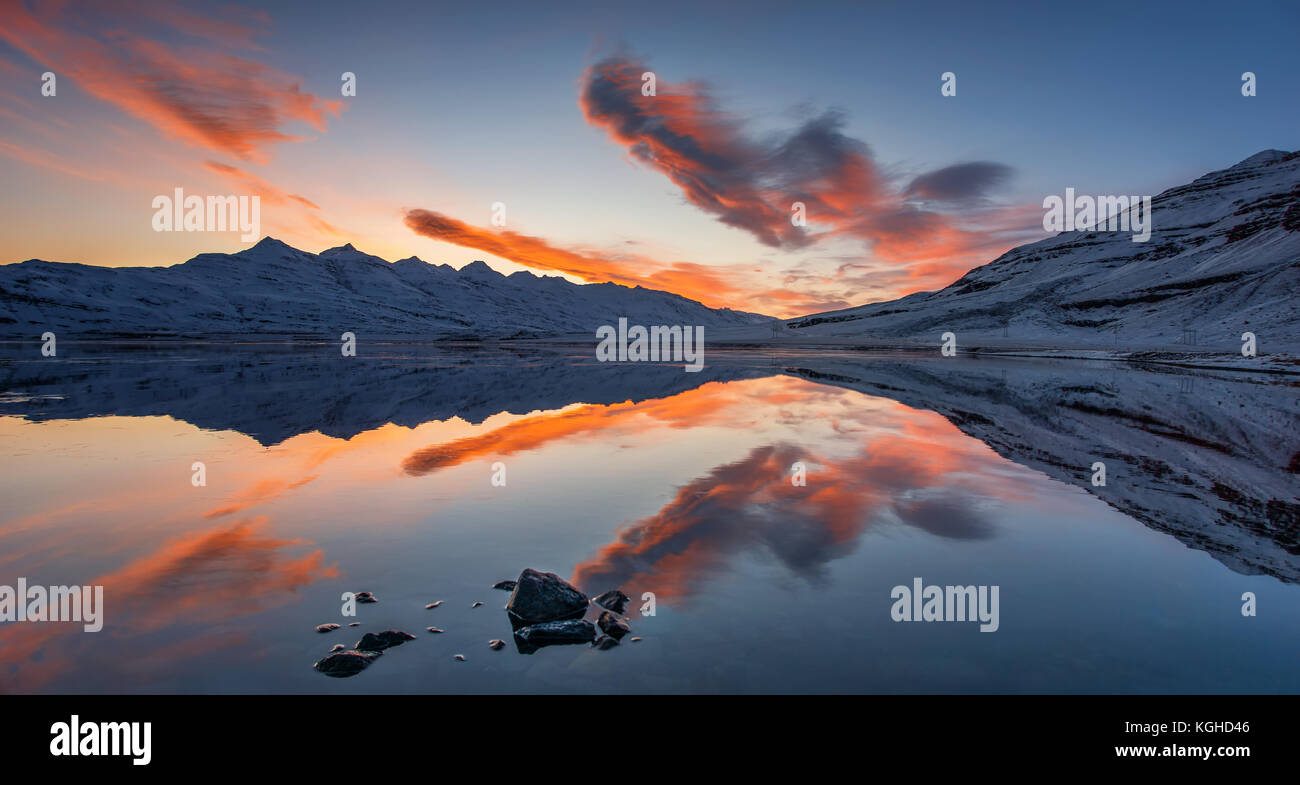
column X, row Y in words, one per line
column 199, row 96
column 713, row 285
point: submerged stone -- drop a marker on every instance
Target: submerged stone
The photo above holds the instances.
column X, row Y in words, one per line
column 346, row 663
column 550, row 633
column 496, row 644
column 378, row 641
column 613, row 600
column 326, row 627
column 613, row 625
column 544, row 597
column 365, row 596
column 606, row 642
column 504, row 585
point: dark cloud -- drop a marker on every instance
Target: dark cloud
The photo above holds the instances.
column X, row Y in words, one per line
column 960, row 182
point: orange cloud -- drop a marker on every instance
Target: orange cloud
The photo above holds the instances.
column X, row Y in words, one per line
column 200, row 578
column 692, row 407
column 714, row 286
column 751, row 503
column 202, row 98
column 750, row 185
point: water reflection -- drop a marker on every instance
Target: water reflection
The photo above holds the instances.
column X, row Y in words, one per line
column 324, row 475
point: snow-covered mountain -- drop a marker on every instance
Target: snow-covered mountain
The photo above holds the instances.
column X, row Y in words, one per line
column 1209, row 458
column 1223, row 258
column 275, row 290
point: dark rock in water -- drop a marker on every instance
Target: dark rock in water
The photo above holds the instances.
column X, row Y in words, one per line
column 460, row 657
column 326, row 627
column 373, row 641
column 550, row 633
column 545, row 596
column 496, row 644
column 613, row 625
column 365, row 596
column 337, row 647
column 504, row 585
column 355, row 624
column 605, row 642
column 613, row 600
column 346, row 663
column 434, row 629
column 433, row 605
column 475, row 605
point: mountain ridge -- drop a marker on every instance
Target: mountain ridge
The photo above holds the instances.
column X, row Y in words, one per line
column 1223, row 258
column 272, row 290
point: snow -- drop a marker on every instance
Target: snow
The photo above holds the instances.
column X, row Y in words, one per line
column 273, row 290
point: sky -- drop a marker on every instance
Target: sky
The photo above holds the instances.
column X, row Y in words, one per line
column 540, row 108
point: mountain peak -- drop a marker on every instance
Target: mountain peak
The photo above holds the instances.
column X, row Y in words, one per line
column 340, row 250
column 480, row 269
column 1263, row 157
column 270, row 243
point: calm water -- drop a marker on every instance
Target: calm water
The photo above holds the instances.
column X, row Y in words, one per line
column 326, row 475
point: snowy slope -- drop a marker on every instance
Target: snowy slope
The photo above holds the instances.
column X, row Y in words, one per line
column 1208, row 458
column 273, row 289
column 1223, row 258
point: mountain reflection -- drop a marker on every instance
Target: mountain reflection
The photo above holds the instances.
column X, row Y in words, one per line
column 323, row 472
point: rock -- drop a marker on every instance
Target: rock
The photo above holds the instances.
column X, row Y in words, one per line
column 326, row 627
column 635, row 640
column 543, row 597
column 373, row 641
column 613, row 600
column 434, row 629
column 433, row 605
column 606, row 642
column 613, row 625
column 550, row 633
column 346, row 663
column 460, row 657
column 337, row 647
column 496, row 644
column 355, row 624
column 365, row 596
column 475, row 605
column 504, row 585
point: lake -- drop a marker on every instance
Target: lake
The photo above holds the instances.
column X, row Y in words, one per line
column 770, row 505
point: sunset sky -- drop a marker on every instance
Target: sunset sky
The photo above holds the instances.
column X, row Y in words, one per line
column 539, row 107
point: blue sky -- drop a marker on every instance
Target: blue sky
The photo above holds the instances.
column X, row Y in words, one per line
column 459, row 106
